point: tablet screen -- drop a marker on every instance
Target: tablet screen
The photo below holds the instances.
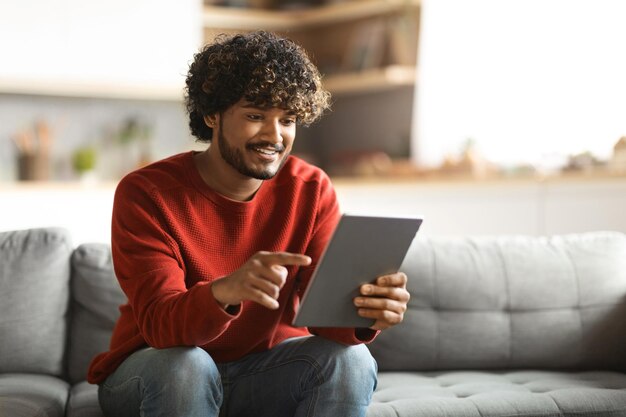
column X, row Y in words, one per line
column 361, row 249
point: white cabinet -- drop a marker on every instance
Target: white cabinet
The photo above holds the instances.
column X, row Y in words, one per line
column 450, row 208
column 114, row 48
column 586, row 205
column 527, row 207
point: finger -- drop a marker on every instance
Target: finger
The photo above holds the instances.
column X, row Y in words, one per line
column 382, row 304
column 262, row 298
column 399, row 279
column 276, row 274
column 383, row 319
column 258, row 291
column 394, row 293
column 267, row 287
column 280, row 274
column 283, row 258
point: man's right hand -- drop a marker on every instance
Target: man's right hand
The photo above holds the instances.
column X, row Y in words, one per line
column 260, row 279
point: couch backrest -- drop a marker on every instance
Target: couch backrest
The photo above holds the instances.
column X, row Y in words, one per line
column 491, row 302
column 512, row 302
column 34, row 294
column 96, row 297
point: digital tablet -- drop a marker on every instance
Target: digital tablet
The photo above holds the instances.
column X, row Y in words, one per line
column 361, row 249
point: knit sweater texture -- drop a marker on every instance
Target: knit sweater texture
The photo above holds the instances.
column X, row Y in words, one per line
column 172, row 236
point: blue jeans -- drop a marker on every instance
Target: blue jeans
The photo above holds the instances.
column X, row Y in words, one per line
column 305, row 376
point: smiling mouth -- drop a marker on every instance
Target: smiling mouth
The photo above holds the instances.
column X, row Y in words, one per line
column 267, row 149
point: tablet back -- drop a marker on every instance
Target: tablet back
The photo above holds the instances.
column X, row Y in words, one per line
column 361, row 249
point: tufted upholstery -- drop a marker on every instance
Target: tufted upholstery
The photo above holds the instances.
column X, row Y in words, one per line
column 519, row 393
column 512, row 302
column 481, row 307
column 509, row 326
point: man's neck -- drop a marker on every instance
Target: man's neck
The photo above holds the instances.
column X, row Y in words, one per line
column 224, row 179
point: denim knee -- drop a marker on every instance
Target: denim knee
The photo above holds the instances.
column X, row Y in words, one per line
column 187, row 376
column 182, row 368
column 163, row 382
column 357, row 361
column 350, row 371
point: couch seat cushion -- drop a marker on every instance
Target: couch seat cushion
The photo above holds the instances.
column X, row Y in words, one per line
column 84, row 401
column 24, row 395
column 486, row 394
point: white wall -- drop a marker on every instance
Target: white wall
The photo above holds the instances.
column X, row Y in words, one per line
column 115, row 43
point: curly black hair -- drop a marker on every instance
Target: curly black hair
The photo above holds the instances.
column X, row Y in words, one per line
column 260, row 67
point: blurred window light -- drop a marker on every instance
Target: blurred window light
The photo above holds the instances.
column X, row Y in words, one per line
column 529, row 81
column 126, row 42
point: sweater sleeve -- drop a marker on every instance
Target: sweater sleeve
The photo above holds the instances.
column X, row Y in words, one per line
column 151, row 272
column 327, row 219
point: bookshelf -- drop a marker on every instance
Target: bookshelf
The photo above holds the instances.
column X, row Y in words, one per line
column 372, row 80
column 281, row 20
column 360, row 46
column 366, row 51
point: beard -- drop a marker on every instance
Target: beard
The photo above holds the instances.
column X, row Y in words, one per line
column 235, row 158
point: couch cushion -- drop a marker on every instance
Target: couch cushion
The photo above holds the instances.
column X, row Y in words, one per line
column 23, row 395
column 96, row 297
column 34, row 294
column 480, row 394
column 84, row 401
column 512, row 302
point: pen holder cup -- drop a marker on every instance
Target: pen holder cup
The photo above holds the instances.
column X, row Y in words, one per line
column 33, row 167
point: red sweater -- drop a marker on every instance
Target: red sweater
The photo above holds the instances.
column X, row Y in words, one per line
column 172, row 236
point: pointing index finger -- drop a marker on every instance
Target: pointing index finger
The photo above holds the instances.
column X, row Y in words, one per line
column 285, row 258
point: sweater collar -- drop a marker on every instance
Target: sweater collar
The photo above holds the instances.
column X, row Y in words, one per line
column 217, row 198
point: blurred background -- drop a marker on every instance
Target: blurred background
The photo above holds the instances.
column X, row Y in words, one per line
column 484, row 116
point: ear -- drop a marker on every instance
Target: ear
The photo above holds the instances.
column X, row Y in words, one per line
column 211, row 121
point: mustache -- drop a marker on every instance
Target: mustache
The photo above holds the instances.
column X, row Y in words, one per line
column 278, row 147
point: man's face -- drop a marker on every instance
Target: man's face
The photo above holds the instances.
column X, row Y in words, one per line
column 255, row 141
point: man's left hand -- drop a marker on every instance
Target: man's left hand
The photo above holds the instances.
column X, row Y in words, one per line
column 384, row 301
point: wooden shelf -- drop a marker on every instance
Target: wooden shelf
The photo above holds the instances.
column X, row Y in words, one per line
column 218, row 18
column 281, row 20
column 245, row 19
column 110, row 90
column 372, row 80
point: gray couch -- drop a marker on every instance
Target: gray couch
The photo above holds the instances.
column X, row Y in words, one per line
column 509, row 326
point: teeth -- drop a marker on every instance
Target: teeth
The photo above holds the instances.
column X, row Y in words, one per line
column 266, row 151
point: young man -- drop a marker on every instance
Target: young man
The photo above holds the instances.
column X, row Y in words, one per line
column 214, row 250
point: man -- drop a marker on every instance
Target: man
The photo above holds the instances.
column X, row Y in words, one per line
column 214, row 250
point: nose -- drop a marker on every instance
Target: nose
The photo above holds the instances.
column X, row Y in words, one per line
column 272, row 131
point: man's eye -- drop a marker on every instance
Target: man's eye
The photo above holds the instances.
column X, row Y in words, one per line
column 289, row 121
column 254, row 116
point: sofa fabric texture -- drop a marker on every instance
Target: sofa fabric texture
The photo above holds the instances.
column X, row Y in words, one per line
column 96, row 297
column 496, row 326
column 512, row 303
column 496, row 393
column 34, row 294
